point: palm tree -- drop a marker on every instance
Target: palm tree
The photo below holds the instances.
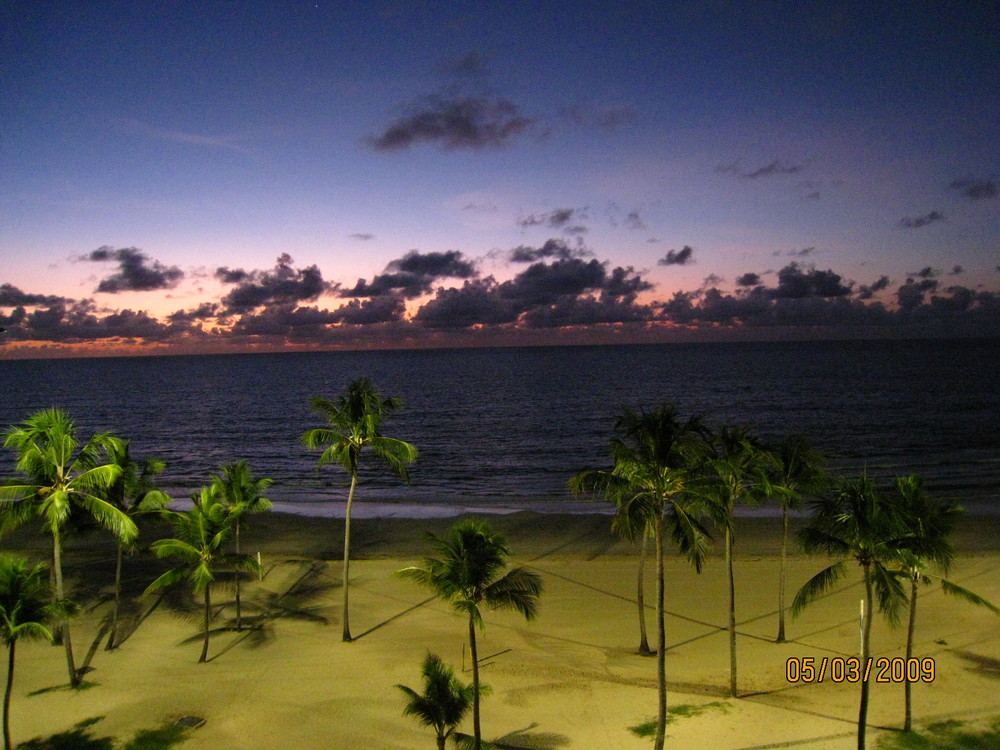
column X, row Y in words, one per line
column 736, row 472
column 199, row 549
column 444, row 702
column 24, row 609
column 240, row 493
column 355, row 419
column 133, row 493
column 653, row 462
column 796, row 469
column 468, row 575
column 857, row 521
column 931, row 525
column 60, row 476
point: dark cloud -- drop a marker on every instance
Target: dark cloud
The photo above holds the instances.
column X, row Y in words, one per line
column 231, row 275
column 282, row 320
column 976, row 189
column 281, row 286
column 477, row 302
column 204, row 311
column 414, row 274
column 634, row 221
column 455, row 123
column 374, row 310
column 560, row 217
column 795, row 282
column 542, row 283
column 956, row 270
column 927, row 273
column 78, row 323
column 553, row 248
column 363, row 236
column 867, row 292
column 803, row 253
column 916, row 222
column 136, row 271
column 813, row 196
column 748, row 279
column 911, row 294
column 713, row 279
column 776, row 167
column 11, row 296
column 677, row 257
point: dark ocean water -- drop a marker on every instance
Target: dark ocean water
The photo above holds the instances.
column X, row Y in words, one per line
column 505, row 428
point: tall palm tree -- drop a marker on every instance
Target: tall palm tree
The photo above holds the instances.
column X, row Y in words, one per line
column 444, row 702
column 467, row 574
column 858, row 522
column 355, row 420
column 24, row 609
column 134, row 493
column 199, row 549
column 931, row 524
column 653, row 462
column 61, row 476
column 237, row 489
column 796, row 469
column 735, row 473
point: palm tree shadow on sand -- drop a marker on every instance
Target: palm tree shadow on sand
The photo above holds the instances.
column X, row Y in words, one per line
column 519, row 739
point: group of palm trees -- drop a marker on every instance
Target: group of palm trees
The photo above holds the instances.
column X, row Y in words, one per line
column 672, row 479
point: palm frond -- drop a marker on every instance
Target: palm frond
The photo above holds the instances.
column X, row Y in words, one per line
column 816, row 586
column 519, row 590
column 972, row 598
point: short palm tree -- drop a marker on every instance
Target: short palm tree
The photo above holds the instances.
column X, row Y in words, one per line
column 654, row 459
column 200, row 550
column 795, row 470
column 134, row 493
column 468, row 573
column 444, row 702
column 857, row 521
column 355, row 420
column 24, row 609
column 236, row 487
column 61, row 476
column 931, row 524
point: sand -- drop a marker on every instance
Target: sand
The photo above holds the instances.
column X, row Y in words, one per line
column 570, row 679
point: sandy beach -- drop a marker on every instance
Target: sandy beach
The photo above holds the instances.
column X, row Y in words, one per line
column 570, row 679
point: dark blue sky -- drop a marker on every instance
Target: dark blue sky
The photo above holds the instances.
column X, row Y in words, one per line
column 187, row 139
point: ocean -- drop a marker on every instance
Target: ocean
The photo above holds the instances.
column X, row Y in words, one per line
column 503, row 429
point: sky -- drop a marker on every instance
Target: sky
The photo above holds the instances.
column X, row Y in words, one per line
column 222, row 176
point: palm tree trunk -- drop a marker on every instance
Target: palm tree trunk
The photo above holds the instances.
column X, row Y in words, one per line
column 347, row 554
column 74, row 676
column 732, row 613
column 6, row 696
column 908, row 719
column 866, row 640
column 441, row 738
column 239, row 613
column 208, row 618
column 476, row 729
column 781, row 576
column 661, row 640
column 640, row 596
column 113, row 635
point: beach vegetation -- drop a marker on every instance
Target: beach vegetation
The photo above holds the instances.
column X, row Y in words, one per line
column 677, row 711
column 444, row 701
column 25, row 608
column 857, row 521
column 943, row 735
column 237, row 489
column 134, row 493
column 199, row 550
column 469, row 573
column 655, row 454
column 354, row 424
column 931, row 523
column 61, row 477
column 796, row 470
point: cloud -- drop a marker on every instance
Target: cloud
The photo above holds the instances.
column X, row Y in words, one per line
column 553, row 248
column 204, row 311
column 606, row 117
column 804, row 252
column 915, row 222
column 776, row 167
column 677, row 257
column 363, row 236
column 556, row 219
column 455, row 123
column 956, row 270
column 282, row 285
column 748, row 279
column 976, row 189
column 374, row 310
column 78, row 323
column 414, row 274
column 477, row 302
column 867, row 292
column 796, row 282
column 225, row 142
column 11, row 296
column 136, row 272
